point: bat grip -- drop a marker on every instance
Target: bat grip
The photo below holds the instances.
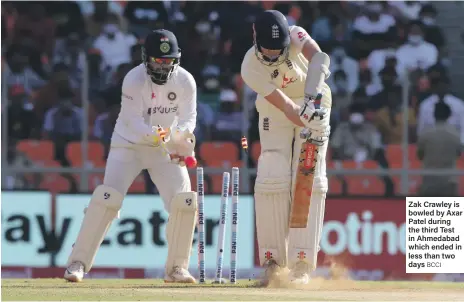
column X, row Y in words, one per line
column 317, row 101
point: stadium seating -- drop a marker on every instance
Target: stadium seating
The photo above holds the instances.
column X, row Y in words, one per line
column 212, row 151
column 37, row 149
column 95, row 153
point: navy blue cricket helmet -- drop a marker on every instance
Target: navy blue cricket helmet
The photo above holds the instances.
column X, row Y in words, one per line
column 271, row 31
column 161, row 55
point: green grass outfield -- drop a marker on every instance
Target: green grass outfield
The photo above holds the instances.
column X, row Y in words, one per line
column 156, row 290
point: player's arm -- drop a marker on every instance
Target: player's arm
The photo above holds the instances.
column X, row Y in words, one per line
column 187, row 113
column 286, row 105
column 132, row 110
column 319, row 62
column 181, row 141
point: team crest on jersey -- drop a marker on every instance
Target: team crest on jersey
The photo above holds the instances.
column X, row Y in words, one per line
column 286, row 81
column 172, row 96
column 275, row 74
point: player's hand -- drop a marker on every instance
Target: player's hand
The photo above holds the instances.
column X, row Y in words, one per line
column 312, row 118
column 314, row 136
column 157, row 136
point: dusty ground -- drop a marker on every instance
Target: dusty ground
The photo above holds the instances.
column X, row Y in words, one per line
column 156, row 290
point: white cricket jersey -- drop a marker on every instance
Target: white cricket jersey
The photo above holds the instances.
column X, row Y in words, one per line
column 145, row 104
column 289, row 77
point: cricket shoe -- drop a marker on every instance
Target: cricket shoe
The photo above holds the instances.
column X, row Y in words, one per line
column 179, row 275
column 299, row 274
column 74, row 272
column 271, row 272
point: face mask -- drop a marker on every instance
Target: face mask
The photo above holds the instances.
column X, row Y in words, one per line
column 339, row 54
column 415, row 39
column 211, row 84
column 356, row 118
column 203, row 27
column 428, row 21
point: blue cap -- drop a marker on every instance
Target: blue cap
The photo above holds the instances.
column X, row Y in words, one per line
column 272, row 30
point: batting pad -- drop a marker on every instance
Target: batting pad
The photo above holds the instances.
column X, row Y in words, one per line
column 103, row 208
column 272, row 206
column 180, row 229
column 304, row 243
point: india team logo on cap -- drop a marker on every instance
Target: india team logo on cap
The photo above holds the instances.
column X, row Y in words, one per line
column 164, row 47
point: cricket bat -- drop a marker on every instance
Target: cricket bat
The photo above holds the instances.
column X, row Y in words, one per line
column 299, row 212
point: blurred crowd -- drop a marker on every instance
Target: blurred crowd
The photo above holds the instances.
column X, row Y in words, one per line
column 57, row 54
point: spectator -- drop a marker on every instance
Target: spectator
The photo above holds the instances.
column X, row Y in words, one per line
column 416, row 53
column 136, row 55
column 73, row 56
column 341, row 35
column 22, row 122
column 389, row 118
column 358, row 140
column 438, row 148
column 340, row 93
column 63, row 124
column 380, row 58
column 19, row 181
column 104, row 126
column 205, row 121
column 36, row 24
column 18, row 71
column 9, row 18
column 229, row 121
column 48, row 96
column 68, row 18
column 408, row 10
column 144, row 16
column 366, row 88
column 433, row 33
column 441, row 94
column 388, row 85
column 372, row 30
column 350, row 67
column 112, row 94
column 97, row 15
column 114, row 45
column 294, row 14
column 97, row 74
column 210, row 85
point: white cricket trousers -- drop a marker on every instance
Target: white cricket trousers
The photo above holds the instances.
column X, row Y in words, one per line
column 125, row 164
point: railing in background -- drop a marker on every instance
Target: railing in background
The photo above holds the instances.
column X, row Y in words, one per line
column 85, row 170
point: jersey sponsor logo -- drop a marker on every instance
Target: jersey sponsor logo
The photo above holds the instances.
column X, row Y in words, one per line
column 266, row 124
column 127, row 96
column 161, row 110
column 301, row 35
column 275, row 74
column 286, row 81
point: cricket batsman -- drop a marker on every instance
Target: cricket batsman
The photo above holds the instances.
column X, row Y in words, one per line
column 287, row 70
column 158, row 92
